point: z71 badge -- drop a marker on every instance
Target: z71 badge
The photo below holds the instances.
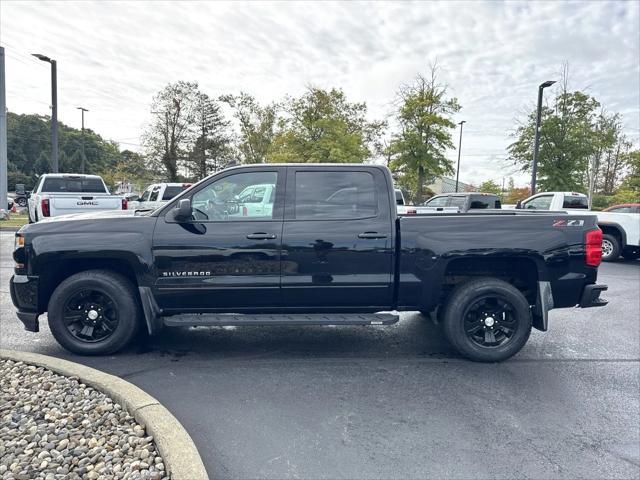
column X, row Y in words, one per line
column 568, row 223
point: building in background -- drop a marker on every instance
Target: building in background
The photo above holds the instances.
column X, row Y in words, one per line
column 448, row 185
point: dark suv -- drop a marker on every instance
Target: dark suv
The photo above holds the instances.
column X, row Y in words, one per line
column 465, row 201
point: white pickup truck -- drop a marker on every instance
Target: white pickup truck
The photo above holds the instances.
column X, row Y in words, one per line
column 156, row 195
column 620, row 231
column 63, row 194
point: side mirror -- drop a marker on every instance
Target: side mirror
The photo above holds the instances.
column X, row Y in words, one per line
column 519, row 204
column 183, row 210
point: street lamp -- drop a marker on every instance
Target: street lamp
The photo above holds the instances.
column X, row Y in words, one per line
column 536, row 142
column 84, row 157
column 459, row 149
column 54, row 110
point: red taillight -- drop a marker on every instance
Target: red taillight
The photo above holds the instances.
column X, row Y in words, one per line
column 44, row 205
column 412, row 211
column 593, row 247
column 125, row 203
column 245, row 212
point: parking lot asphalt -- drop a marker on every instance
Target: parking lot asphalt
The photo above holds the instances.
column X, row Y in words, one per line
column 392, row 402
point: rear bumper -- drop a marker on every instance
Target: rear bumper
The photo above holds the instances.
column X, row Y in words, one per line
column 24, row 295
column 591, row 296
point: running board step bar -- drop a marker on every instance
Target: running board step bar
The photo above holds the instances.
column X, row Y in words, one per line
column 236, row 319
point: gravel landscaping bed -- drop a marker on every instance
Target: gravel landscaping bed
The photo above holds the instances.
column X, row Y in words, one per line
column 54, row 427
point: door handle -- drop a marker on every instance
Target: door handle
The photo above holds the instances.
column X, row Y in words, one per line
column 372, row 235
column 261, row 236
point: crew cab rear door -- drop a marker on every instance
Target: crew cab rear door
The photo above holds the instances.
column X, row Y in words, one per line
column 337, row 238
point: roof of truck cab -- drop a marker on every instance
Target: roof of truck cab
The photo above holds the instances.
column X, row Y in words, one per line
column 69, row 175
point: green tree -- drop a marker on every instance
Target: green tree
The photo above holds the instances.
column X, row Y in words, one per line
column 629, row 191
column 489, row 186
column 257, row 126
column 424, row 116
column 568, row 141
column 211, row 150
column 322, row 126
column 170, row 133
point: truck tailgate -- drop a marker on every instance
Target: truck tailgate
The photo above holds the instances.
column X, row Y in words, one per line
column 65, row 204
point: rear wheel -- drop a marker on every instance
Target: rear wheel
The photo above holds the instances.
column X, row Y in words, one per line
column 22, row 202
column 610, row 248
column 94, row 312
column 487, row 320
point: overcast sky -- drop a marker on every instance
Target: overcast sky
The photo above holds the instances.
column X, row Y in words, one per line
column 113, row 57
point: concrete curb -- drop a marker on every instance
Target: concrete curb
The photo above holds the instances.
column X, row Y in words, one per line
column 178, row 451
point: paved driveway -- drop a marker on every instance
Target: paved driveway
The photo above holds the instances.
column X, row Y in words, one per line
column 393, row 402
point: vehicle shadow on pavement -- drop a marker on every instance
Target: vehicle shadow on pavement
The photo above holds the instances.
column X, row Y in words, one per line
column 413, row 336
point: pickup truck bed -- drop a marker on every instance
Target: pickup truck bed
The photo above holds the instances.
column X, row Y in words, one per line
column 315, row 256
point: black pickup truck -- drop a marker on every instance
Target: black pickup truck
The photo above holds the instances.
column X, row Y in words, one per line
column 303, row 244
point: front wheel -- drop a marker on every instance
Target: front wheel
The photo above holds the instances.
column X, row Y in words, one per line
column 22, row 202
column 610, row 248
column 487, row 320
column 95, row 312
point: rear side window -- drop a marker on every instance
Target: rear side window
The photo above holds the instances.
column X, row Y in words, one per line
column 331, row 195
column 575, row 202
column 172, row 191
column 484, row 201
column 399, row 198
column 73, row 185
column 457, row 201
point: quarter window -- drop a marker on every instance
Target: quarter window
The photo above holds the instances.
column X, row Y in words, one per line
column 331, row 195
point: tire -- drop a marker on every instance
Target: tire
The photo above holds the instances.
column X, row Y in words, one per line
column 610, row 248
column 491, row 342
column 22, row 202
column 110, row 297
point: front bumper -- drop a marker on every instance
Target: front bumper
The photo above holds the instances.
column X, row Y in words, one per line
column 591, row 296
column 24, row 295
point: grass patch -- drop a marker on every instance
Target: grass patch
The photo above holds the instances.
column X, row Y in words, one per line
column 16, row 221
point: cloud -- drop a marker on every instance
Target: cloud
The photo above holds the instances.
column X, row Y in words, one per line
column 114, row 56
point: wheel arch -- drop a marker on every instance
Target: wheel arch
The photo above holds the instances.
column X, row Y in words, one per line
column 56, row 271
column 616, row 230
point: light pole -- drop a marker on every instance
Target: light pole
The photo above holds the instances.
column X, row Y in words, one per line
column 459, row 149
column 54, row 109
column 84, row 158
column 536, row 142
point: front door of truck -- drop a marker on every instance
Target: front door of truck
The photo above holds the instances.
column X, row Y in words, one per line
column 337, row 249
column 227, row 256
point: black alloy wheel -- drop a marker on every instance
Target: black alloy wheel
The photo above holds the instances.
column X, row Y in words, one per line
column 90, row 315
column 490, row 321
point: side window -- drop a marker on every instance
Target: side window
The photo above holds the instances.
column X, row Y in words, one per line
column 154, row 194
column 145, row 195
column 437, row 201
column 539, row 203
column 258, row 194
column 575, row 202
column 331, row 195
column 231, row 198
column 457, row 201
